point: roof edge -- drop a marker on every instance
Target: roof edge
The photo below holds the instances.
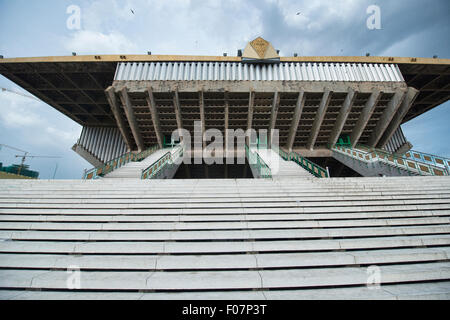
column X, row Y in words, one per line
column 149, row 58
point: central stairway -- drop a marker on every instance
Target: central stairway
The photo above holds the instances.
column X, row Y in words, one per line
column 279, row 167
column 226, row 239
column 133, row 169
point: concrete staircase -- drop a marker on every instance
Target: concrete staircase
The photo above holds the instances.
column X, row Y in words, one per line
column 305, row 238
column 280, row 168
column 373, row 163
column 134, row 169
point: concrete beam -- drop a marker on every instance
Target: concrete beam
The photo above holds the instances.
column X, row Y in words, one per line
column 89, row 157
column 273, row 115
column 155, row 117
column 177, row 108
column 201, row 101
column 342, row 117
column 364, row 117
column 111, row 97
column 320, row 115
column 386, row 117
column 316, row 153
column 408, row 101
column 296, row 119
column 131, row 119
column 256, row 86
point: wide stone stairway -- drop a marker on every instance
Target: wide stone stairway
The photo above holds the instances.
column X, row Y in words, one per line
column 339, row 238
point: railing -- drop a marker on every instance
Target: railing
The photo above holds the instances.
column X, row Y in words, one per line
column 156, row 169
column 370, row 155
column 258, row 164
column 428, row 158
column 306, row 164
column 310, row 166
column 118, row 162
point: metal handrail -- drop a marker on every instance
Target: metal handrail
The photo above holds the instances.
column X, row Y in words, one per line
column 258, row 163
column 310, row 166
column 155, row 168
column 118, row 162
column 427, row 158
column 306, row 164
column 369, row 155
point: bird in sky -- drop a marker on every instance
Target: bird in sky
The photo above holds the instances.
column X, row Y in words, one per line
column 132, row 11
column 298, row 13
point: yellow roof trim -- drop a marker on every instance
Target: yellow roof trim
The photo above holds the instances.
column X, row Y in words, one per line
column 143, row 58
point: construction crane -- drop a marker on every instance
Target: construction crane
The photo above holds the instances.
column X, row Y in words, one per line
column 24, row 156
column 19, row 93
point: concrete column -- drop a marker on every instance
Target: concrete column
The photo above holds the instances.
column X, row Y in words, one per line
column 226, row 123
column 396, row 121
column 342, row 117
column 364, row 117
column 296, row 119
column 251, row 101
column 177, row 108
column 273, row 116
column 319, row 119
column 386, row 118
column 155, row 117
column 111, row 97
column 202, row 116
column 131, row 118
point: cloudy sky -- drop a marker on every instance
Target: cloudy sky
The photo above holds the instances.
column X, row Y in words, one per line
column 321, row 27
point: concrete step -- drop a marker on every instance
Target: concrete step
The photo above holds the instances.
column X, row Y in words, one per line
column 222, row 247
column 222, row 261
column 220, row 280
column 410, row 291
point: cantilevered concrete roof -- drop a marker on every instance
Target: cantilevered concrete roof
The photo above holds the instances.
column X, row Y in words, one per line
column 75, row 85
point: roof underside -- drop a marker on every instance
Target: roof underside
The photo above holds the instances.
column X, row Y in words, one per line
column 75, row 85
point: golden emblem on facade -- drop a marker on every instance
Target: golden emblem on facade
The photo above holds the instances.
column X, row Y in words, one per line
column 260, row 45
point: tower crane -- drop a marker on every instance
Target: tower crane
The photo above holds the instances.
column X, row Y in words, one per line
column 24, row 156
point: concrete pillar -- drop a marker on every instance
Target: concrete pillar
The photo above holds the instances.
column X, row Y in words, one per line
column 364, row 117
column 386, row 118
column 177, row 108
column 155, row 117
column 202, row 116
column 396, row 121
column 319, row 119
column 111, row 97
column 342, row 117
column 227, row 111
column 131, row 118
column 296, row 119
column 251, row 101
column 273, row 116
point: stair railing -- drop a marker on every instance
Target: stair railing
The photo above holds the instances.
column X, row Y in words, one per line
column 428, row 158
column 155, row 170
column 258, row 164
column 118, row 162
column 370, row 155
column 306, row 164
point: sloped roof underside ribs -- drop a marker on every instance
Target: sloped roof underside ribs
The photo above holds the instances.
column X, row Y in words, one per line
column 210, row 98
